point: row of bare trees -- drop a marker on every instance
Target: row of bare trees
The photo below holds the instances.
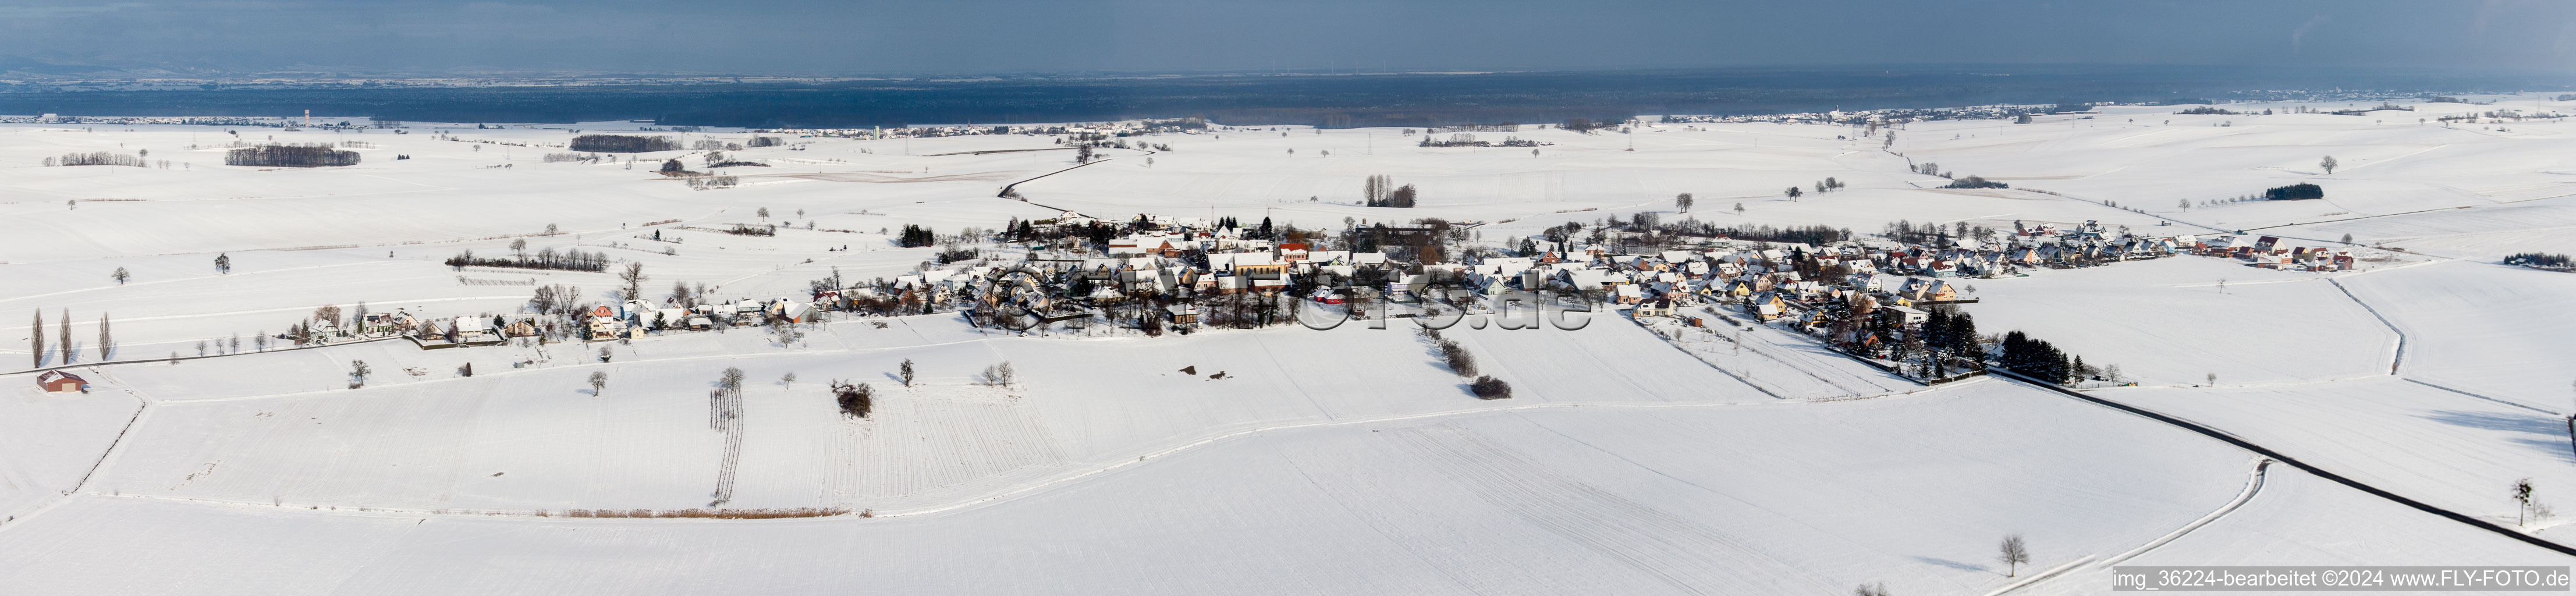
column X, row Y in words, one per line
column 66, row 350
column 98, row 158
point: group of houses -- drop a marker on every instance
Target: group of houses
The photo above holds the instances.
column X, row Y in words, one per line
column 607, row 322
column 2267, row 252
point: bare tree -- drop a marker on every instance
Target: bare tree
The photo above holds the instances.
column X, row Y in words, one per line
column 328, row 314
column 998, row 375
column 1876, row 589
column 65, row 338
column 634, row 278
column 36, row 335
column 120, row 276
column 681, row 296
column 2013, row 554
column 789, row 380
column 731, row 380
column 223, row 263
column 106, row 341
column 903, row 371
column 2521, row 494
column 1739, row 209
column 2328, row 163
column 598, row 381
column 1682, row 202
column 358, row 373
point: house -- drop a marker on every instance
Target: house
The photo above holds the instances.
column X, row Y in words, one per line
column 1920, row 289
column 604, row 323
column 1739, row 289
column 1628, row 294
column 792, row 312
column 55, row 381
column 1658, row 307
column 1767, row 306
column 1183, row 314
column 1902, row 315
column 1585, row 279
column 1245, row 263
column 520, row 328
column 473, row 330
column 384, row 323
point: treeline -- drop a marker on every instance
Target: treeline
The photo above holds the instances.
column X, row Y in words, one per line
column 1930, row 233
column 2037, row 359
column 2541, row 260
column 1468, row 140
column 2301, row 190
column 279, row 156
column 914, row 236
column 1974, row 181
column 1381, row 191
column 95, row 158
column 1586, row 125
column 2208, row 111
column 570, row 260
column 1813, row 234
column 623, row 144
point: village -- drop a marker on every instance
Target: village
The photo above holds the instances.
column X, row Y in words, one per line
column 1875, row 299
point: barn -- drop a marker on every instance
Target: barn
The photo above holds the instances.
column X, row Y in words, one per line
column 62, row 382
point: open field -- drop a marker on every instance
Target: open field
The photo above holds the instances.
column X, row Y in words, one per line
column 1630, row 459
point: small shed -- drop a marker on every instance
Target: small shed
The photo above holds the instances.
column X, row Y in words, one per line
column 55, row 381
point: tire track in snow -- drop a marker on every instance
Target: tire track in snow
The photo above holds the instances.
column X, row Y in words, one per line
column 2398, row 357
column 2258, row 449
column 1018, row 491
column 1689, row 556
column 2253, row 484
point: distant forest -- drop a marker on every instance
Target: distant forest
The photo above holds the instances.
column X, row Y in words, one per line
column 1333, row 101
column 281, row 156
column 623, row 144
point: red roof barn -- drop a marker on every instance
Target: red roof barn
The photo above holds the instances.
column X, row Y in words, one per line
column 61, row 382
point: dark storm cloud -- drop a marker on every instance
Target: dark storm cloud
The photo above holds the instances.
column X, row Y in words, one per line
column 1163, row 35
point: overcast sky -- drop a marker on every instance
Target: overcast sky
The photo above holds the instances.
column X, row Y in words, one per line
column 1014, row 36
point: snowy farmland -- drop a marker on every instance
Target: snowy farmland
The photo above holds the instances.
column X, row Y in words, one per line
column 1636, row 455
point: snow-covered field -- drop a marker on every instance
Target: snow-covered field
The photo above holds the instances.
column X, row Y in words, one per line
column 1343, row 461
